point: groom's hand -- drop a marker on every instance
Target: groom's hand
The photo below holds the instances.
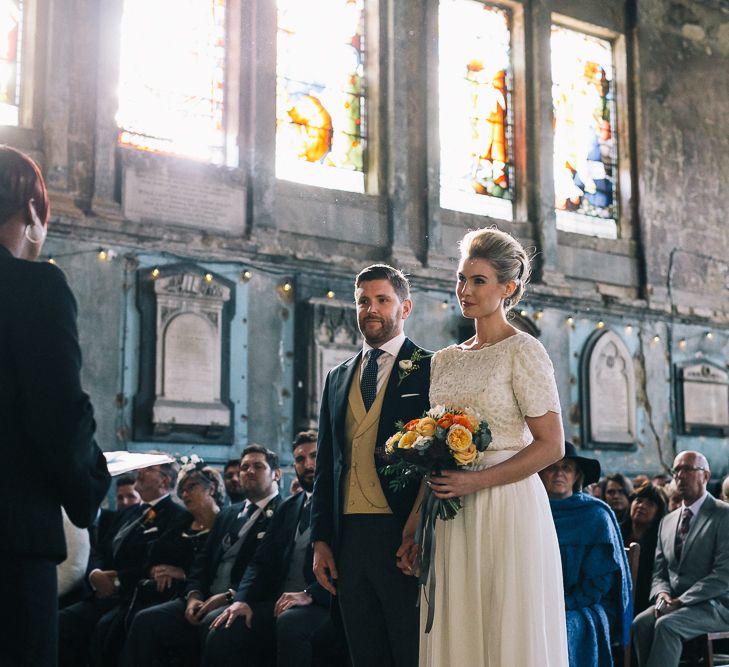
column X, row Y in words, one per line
column 325, row 569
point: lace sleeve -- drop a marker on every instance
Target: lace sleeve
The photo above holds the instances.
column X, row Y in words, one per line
column 533, row 380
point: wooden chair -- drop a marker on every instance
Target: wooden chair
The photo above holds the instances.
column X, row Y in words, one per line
column 699, row 651
column 632, row 551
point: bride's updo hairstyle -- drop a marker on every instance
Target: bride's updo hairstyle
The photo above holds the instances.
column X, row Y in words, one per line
column 504, row 253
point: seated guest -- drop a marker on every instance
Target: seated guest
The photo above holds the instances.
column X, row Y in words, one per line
column 278, row 603
column 691, row 572
column 647, row 507
column 170, row 632
column 170, row 557
column 126, row 496
column 594, row 566
column 617, row 494
column 724, row 495
column 673, row 495
column 231, row 477
column 661, row 479
column 117, row 565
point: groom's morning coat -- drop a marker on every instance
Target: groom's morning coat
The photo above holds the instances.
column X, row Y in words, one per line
column 403, row 400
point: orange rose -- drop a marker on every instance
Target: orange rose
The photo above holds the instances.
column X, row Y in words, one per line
column 459, row 438
column 463, row 420
column 446, row 421
column 407, row 440
column 426, row 427
column 412, row 425
column 467, row 455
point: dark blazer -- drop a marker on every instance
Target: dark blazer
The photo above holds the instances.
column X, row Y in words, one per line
column 402, row 401
column 131, row 556
column 265, row 575
column 46, row 420
column 202, row 572
column 702, row 573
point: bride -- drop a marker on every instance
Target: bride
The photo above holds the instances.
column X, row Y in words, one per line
column 498, row 596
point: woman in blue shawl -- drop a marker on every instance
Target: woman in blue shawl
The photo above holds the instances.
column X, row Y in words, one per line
column 595, row 569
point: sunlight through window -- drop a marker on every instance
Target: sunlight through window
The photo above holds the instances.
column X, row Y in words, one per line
column 11, row 22
column 172, row 78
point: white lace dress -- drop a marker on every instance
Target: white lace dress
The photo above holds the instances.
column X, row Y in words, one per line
column 499, row 600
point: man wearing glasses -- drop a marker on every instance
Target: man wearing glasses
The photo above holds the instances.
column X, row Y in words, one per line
column 691, row 573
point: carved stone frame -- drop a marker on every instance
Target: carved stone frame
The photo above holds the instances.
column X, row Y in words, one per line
column 703, row 376
column 608, row 345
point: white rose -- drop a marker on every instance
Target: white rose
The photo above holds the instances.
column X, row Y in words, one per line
column 406, row 365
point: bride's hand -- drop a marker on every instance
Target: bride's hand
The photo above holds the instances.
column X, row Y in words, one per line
column 456, row 483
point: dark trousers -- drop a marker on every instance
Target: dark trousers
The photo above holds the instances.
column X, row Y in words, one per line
column 91, row 632
column 161, row 635
column 28, row 616
column 377, row 601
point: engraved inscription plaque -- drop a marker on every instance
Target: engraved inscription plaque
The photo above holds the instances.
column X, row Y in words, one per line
column 188, row 351
column 182, row 199
column 609, row 382
column 705, row 399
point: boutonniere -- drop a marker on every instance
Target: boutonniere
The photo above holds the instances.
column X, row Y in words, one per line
column 149, row 517
column 408, row 366
column 269, row 514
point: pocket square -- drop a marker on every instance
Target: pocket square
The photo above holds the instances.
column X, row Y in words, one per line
column 409, row 395
column 261, row 535
column 154, row 529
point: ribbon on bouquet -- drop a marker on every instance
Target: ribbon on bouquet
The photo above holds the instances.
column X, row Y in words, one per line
column 425, row 537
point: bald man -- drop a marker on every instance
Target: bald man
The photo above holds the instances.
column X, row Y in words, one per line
column 691, row 573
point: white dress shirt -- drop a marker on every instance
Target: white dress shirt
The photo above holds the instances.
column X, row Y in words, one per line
column 386, row 361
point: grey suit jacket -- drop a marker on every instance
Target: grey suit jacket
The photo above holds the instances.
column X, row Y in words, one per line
column 702, row 573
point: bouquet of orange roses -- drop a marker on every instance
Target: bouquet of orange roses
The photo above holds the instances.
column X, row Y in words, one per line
column 441, row 439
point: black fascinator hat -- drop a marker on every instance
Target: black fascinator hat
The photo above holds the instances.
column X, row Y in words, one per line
column 590, row 467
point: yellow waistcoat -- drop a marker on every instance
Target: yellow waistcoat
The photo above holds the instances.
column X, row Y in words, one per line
column 362, row 490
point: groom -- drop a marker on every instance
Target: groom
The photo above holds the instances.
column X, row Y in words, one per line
column 358, row 522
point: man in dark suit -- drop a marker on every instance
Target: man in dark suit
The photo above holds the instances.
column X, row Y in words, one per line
column 172, row 630
column 360, row 527
column 116, row 566
column 278, row 602
column 691, row 570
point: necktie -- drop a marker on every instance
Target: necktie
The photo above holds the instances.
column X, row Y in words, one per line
column 241, row 520
column 682, row 532
column 368, row 383
column 305, row 517
column 136, row 518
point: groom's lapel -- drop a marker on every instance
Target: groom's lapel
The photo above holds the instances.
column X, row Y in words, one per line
column 390, row 403
column 344, row 382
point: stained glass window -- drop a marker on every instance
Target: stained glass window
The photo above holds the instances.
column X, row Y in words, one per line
column 172, row 77
column 476, row 127
column 585, row 147
column 11, row 24
column 320, row 96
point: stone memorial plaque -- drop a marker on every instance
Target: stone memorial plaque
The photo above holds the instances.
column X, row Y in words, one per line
column 705, row 392
column 182, row 199
column 611, row 392
column 188, row 353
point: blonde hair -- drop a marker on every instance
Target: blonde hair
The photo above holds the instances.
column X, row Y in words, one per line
column 504, row 253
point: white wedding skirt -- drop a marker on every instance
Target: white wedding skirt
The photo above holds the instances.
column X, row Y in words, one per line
column 499, row 600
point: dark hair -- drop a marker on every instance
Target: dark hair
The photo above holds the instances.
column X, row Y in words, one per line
column 230, row 463
column 653, row 493
column 208, row 477
column 622, row 480
column 304, row 437
column 271, row 457
column 125, row 480
column 20, row 181
column 505, row 253
column 394, row 276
